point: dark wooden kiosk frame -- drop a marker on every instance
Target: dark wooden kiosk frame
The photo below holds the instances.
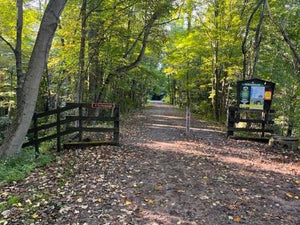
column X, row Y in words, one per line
column 35, row 139
column 260, row 107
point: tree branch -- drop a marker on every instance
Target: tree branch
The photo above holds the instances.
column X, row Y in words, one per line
column 244, row 50
column 96, row 8
column 146, row 31
column 284, row 34
column 9, row 44
column 144, row 44
column 169, row 21
column 244, row 7
column 134, row 43
column 258, row 38
column 248, row 26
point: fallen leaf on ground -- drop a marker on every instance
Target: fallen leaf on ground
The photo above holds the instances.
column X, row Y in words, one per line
column 35, row 216
column 128, row 202
column 4, row 194
column 150, row 201
column 237, row 219
column 289, row 195
column 19, row 204
column 158, row 187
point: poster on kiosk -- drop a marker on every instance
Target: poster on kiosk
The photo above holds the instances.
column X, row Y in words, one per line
column 255, row 94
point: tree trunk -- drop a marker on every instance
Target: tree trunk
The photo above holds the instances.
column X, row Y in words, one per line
column 17, row 50
column 216, row 66
column 216, row 101
column 174, row 92
column 244, row 44
column 223, row 97
column 188, row 94
column 290, row 129
column 49, row 103
column 18, row 130
column 291, row 113
column 18, row 53
column 258, row 38
column 188, row 104
column 95, row 37
column 80, row 84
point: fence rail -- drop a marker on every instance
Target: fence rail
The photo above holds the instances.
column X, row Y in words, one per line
column 35, row 130
column 264, row 119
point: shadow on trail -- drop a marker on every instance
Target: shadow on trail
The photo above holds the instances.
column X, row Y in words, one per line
column 161, row 176
column 200, row 189
column 165, row 123
column 210, row 176
column 163, row 128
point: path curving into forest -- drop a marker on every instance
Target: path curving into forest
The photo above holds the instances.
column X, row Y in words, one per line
column 161, row 176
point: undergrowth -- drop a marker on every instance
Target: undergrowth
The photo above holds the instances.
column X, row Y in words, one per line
column 17, row 167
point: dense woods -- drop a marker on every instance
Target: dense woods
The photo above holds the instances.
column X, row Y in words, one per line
column 127, row 51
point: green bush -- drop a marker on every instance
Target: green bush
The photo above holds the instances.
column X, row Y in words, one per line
column 204, row 109
column 16, row 168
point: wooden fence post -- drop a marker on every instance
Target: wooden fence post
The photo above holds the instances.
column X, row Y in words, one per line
column 230, row 121
column 58, row 143
column 117, row 125
column 264, row 121
column 36, row 135
column 80, row 123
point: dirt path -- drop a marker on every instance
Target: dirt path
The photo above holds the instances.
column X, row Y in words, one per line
column 160, row 176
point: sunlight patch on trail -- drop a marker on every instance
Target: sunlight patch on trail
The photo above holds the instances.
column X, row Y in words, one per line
column 259, row 165
column 174, row 147
column 155, row 125
column 169, row 117
column 189, row 149
column 165, row 218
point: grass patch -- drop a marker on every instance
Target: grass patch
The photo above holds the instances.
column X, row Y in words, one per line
column 16, row 168
column 12, row 200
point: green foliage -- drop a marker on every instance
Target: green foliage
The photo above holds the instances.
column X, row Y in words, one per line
column 16, row 168
column 213, row 43
column 188, row 44
column 4, row 123
column 194, row 53
column 204, row 109
column 12, row 201
column 8, row 79
column 46, row 146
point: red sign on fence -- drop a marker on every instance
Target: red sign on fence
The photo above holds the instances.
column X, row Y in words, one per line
column 103, row 105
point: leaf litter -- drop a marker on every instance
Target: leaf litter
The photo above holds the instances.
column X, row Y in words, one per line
column 159, row 175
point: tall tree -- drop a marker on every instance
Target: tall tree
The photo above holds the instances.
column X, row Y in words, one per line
column 188, row 94
column 17, row 50
column 245, row 48
column 18, row 130
column 80, row 84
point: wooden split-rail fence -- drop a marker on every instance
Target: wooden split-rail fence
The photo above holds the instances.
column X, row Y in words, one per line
column 69, row 120
column 262, row 120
